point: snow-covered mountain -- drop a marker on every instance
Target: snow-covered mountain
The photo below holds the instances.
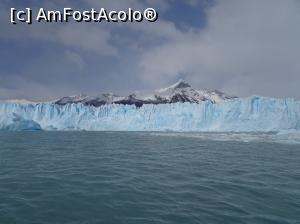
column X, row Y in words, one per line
column 180, row 92
column 183, row 92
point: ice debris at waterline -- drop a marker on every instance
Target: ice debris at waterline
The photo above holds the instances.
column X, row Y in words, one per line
column 251, row 114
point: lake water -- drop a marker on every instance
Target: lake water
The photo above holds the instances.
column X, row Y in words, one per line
column 127, row 177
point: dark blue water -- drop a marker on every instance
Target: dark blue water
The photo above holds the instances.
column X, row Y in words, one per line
column 97, row 177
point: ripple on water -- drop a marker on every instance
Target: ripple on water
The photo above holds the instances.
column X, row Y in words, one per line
column 121, row 177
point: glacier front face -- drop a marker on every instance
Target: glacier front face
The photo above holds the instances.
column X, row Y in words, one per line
column 253, row 114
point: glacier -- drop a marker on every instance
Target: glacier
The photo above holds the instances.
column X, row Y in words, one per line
column 14, row 122
column 252, row 114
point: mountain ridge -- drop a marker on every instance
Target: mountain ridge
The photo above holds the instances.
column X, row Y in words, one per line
column 180, row 92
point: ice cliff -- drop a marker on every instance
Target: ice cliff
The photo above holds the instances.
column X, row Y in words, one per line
column 15, row 122
column 238, row 115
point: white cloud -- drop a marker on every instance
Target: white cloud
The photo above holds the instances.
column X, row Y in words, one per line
column 248, row 47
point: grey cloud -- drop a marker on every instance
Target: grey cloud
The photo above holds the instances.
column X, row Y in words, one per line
column 86, row 37
column 75, row 59
column 89, row 37
column 16, row 87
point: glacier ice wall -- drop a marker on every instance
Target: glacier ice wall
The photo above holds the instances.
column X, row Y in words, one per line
column 14, row 122
column 238, row 115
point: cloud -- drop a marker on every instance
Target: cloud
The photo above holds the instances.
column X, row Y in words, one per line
column 75, row 59
column 86, row 37
column 247, row 47
column 90, row 37
column 15, row 87
column 242, row 47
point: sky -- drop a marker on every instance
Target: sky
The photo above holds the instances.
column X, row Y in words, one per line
column 241, row 47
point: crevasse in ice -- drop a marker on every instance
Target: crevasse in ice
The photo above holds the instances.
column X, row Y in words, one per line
column 238, row 115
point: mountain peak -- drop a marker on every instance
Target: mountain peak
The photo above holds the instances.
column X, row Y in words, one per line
column 180, row 84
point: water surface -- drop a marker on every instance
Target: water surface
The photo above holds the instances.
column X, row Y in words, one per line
column 127, row 177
